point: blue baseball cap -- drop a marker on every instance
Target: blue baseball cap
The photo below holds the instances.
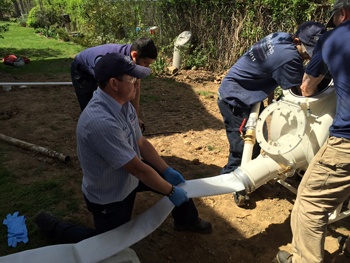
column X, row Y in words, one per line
column 114, row 65
column 336, row 7
column 309, row 33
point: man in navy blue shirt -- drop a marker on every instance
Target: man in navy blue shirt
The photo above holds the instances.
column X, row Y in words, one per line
column 276, row 60
column 142, row 51
column 326, row 183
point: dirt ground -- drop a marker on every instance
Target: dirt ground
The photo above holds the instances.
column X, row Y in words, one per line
column 185, row 126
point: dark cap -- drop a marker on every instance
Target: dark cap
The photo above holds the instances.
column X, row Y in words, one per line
column 336, row 7
column 309, row 33
column 113, row 65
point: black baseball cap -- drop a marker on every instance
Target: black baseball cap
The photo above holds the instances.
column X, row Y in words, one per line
column 113, row 65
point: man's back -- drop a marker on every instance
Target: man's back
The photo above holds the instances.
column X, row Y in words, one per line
column 336, row 54
column 87, row 58
column 271, row 62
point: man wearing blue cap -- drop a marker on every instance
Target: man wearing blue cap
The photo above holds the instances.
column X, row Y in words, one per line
column 117, row 161
column 276, row 60
column 326, row 183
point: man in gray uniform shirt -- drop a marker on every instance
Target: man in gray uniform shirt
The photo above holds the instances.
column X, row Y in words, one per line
column 117, row 161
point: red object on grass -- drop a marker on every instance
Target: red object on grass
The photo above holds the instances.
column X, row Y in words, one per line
column 11, row 59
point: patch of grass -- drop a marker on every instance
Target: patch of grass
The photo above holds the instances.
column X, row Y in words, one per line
column 213, row 148
column 28, row 198
column 47, row 56
column 160, row 65
column 210, row 148
column 30, row 191
column 205, row 93
column 38, row 171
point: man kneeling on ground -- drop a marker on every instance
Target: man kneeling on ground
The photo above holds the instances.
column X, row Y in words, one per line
column 117, row 161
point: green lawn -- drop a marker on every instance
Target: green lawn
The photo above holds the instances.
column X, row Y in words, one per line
column 47, row 56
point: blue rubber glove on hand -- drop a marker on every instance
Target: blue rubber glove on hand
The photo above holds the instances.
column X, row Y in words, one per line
column 16, row 228
column 173, row 177
column 179, row 196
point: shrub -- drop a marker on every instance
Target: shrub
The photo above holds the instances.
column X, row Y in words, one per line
column 22, row 20
column 44, row 16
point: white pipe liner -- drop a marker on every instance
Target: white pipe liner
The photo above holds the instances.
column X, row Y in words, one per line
column 106, row 245
column 299, row 126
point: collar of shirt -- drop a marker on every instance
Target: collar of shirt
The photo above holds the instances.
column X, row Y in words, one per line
column 102, row 99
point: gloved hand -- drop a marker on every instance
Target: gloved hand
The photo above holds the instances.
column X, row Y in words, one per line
column 178, row 196
column 173, row 177
column 16, row 228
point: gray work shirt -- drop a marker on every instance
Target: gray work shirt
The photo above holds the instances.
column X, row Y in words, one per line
column 107, row 135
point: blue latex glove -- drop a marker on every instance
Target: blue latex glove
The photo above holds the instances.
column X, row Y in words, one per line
column 16, row 228
column 173, row 177
column 179, row 196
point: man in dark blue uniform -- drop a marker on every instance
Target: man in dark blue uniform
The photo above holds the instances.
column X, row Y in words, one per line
column 326, row 183
column 276, row 60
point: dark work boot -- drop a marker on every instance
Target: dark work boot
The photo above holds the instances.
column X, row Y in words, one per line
column 46, row 223
column 201, row 226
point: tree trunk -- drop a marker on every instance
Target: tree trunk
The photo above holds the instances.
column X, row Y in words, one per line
column 17, row 9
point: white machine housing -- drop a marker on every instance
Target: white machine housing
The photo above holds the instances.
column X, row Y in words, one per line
column 298, row 127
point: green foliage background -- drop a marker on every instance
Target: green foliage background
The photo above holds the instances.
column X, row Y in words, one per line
column 222, row 30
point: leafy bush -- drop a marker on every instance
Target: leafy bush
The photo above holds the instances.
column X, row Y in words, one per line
column 44, row 16
column 5, row 9
column 4, row 28
column 34, row 19
column 22, row 20
column 160, row 65
column 63, row 34
column 196, row 58
column 220, row 34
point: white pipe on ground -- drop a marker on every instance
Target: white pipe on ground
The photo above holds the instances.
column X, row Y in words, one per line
column 36, row 148
column 35, row 83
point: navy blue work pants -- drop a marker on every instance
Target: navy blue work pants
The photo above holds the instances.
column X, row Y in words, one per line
column 233, row 119
column 109, row 216
column 84, row 85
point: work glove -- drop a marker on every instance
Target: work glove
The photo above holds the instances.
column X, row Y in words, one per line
column 173, row 177
column 16, row 229
column 178, row 196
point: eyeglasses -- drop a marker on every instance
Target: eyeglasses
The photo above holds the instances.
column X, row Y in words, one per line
column 130, row 79
column 127, row 78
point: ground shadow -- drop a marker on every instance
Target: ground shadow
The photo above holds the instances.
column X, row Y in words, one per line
column 30, row 52
column 44, row 70
column 227, row 243
column 175, row 107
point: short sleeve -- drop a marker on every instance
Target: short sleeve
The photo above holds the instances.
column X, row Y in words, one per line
column 316, row 66
column 112, row 144
column 289, row 74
